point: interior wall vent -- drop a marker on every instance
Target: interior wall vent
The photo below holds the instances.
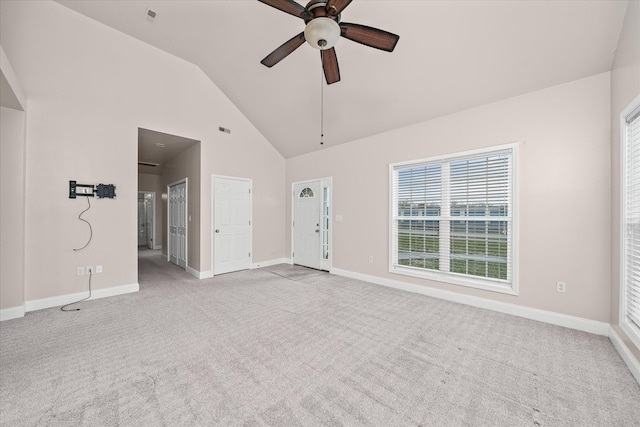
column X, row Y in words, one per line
column 153, row 165
column 225, row 130
column 151, row 15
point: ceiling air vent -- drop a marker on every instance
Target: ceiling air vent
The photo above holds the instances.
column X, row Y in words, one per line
column 153, row 165
column 151, row 15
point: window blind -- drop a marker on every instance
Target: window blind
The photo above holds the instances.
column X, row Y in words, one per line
column 632, row 220
column 453, row 216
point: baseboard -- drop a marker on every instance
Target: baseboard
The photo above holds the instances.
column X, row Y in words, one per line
column 157, row 247
column 209, row 274
column 199, row 274
column 629, row 359
column 58, row 301
column 559, row 319
column 270, row 263
column 12, row 313
column 206, row 274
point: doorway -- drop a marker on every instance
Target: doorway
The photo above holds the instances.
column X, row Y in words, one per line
column 231, row 237
column 311, row 226
column 177, row 223
column 146, row 219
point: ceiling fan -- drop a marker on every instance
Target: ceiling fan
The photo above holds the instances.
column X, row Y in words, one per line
column 322, row 31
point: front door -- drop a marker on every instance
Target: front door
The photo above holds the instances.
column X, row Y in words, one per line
column 307, row 242
column 231, row 224
column 177, row 219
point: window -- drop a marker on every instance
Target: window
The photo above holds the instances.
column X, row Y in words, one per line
column 326, row 216
column 630, row 232
column 306, row 192
column 453, row 219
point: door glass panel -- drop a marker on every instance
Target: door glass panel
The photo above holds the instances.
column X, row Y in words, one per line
column 325, row 223
column 307, row 192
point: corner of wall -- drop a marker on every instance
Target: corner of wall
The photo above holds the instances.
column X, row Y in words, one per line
column 12, row 79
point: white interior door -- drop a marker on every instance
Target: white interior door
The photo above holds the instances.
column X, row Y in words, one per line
column 177, row 219
column 231, row 224
column 307, row 242
column 142, row 230
column 150, row 214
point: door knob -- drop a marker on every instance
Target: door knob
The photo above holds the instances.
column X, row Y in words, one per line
column 217, row 230
column 317, row 230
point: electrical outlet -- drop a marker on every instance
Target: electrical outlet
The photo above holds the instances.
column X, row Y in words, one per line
column 370, row 258
column 80, row 271
column 90, row 269
column 98, row 269
column 561, row 286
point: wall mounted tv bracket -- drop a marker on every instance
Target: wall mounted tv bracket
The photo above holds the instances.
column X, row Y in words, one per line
column 87, row 190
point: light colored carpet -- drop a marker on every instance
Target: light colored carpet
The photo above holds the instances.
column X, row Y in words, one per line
column 254, row 348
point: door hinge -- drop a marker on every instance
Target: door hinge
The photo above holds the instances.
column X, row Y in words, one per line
column 249, row 222
column 293, row 254
column 249, row 254
column 249, row 191
column 293, row 223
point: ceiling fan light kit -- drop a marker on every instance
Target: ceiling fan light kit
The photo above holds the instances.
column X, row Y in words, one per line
column 323, row 30
column 322, row 33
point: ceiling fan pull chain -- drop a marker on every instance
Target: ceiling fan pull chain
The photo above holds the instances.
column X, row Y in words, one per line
column 321, row 109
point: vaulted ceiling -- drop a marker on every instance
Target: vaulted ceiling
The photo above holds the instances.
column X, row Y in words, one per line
column 452, row 55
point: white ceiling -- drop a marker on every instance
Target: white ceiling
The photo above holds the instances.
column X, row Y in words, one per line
column 452, row 55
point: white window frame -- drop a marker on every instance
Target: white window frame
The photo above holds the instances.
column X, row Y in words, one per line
column 511, row 286
column 630, row 329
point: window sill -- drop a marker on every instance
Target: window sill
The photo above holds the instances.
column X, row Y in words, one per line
column 631, row 330
column 456, row 279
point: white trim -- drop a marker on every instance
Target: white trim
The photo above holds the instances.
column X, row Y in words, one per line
column 459, row 155
column 153, row 231
column 199, row 274
column 12, row 313
column 629, row 359
column 565, row 320
column 630, row 331
column 193, row 272
column 500, row 286
column 61, row 300
column 326, row 264
column 213, row 219
column 271, row 263
column 455, row 279
column 186, row 223
column 327, row 182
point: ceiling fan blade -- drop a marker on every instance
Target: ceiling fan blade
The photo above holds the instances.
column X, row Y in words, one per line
column 369, row 36
column 284, row 50
column 289, row 6
column 334, row 7
column 330, row 65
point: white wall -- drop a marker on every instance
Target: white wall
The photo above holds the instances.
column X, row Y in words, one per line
column 564, row 191
column 256, row 159
column 89, row 89
column 625, row 86
column 12, row 148
column 12, row 187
